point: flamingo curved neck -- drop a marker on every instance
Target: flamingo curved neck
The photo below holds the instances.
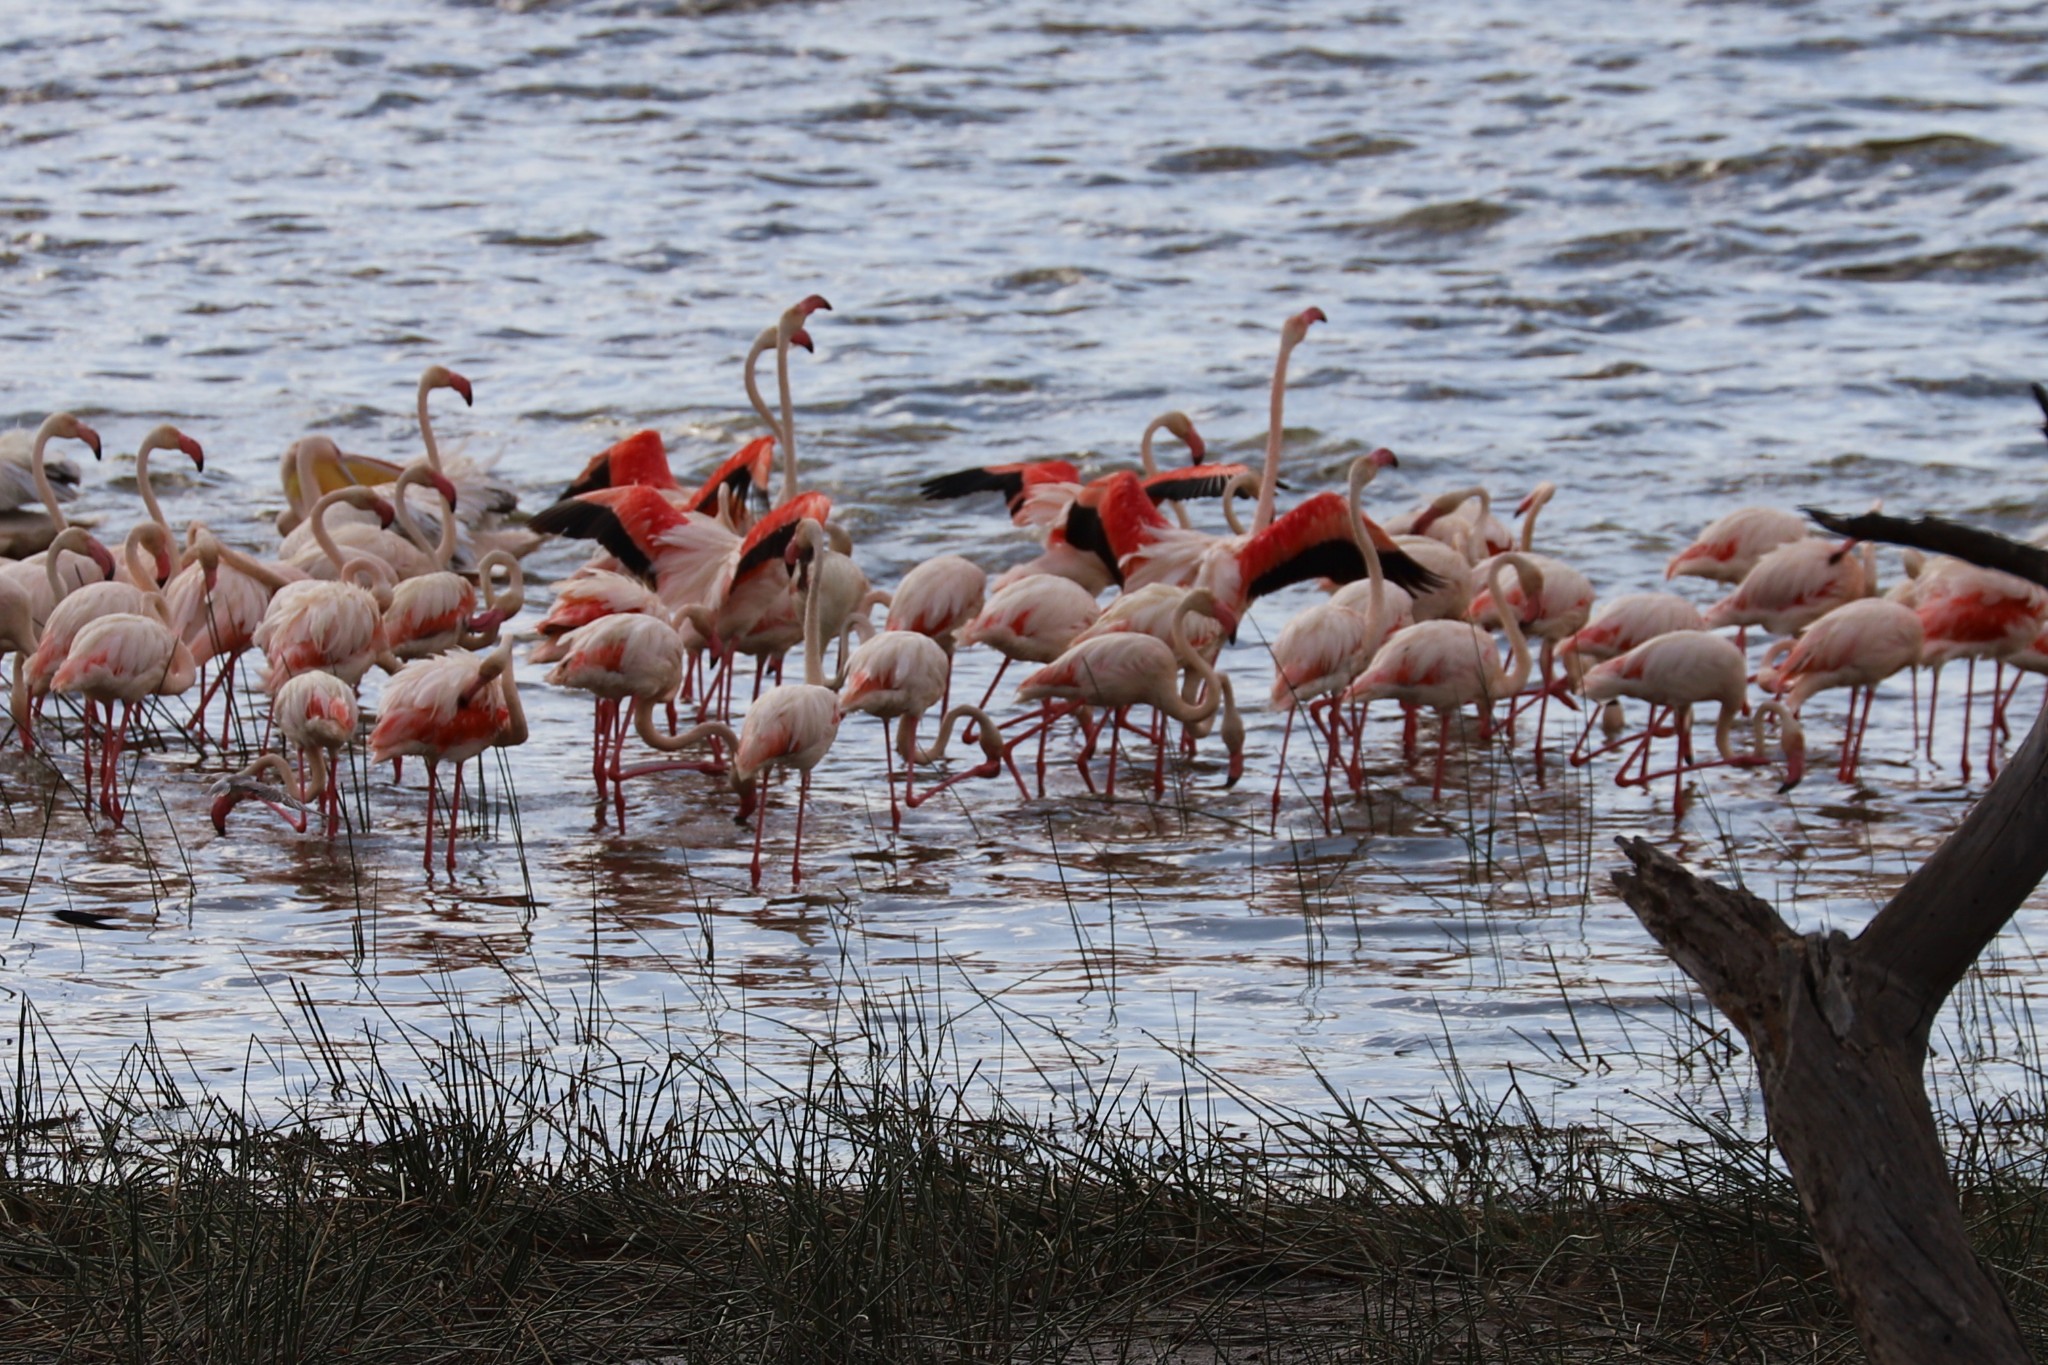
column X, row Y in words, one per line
column 654, row 738
column 1269, row 477
column 247, row 565
column 1190, row 658
column 426, row 425
column 1511, row 622
column 512, row 600
column 147, row 490
column 1363, row 471
column 443, row 549
column 788, row 412
column 765, row 341
column 990, row 737
column 814, row 636
column 42, row 476
column 515, row 731
column 1536, row 505
column 1151, row 466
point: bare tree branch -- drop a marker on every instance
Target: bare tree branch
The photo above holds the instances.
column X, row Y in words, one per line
column 1942, row 537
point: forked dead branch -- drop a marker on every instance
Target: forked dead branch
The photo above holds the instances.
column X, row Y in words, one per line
column 1839, row 1029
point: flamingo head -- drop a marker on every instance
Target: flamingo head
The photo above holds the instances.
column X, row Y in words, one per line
column 71, row 429
column 1296, row 328
column 168, row 437
column 814, row 303
column 1183, row 429
column 441, row 377
column 1538, row 495
column 1382, row 458
column 101, row 556
column 224, row 805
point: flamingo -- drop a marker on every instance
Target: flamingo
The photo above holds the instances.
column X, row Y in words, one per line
column 75, row 608
column 122, row 657
column 1127, row 668
column 897, row 675
column 1731, row 545
column 629, row 657
column 449, row 709
column 334, row 625
column 1323, row 648
column 937, row 598
column 1565, row 604
column 317, row 712
column 1793, row 586
column 1968, row 612
column 78, row 561
column 1172, row 555
column 792, row 725
column 217, row 601
column 586, row 596
column 786, row 329
column 1679, row 671
column 1857, row 645
column 25, row 531
column 1448, row 665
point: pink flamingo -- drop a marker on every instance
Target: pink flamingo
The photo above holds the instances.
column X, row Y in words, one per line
column 1448, row 665
column 449, row 709
column 792, row 725
column 1857, row 645
column 1973, row 613
column 632, row 657
column 1124, row 669
column 317, row 712
column 1731, row 545
column 333, row 625
column 1793, row 586
column 1678, row 671
column 122, row 657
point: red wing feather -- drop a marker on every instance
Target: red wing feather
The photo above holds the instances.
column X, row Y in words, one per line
column 1314, row 541
column 638, row 459
column 746, row 469
column 1196, row 481
column 627, row 521
column 770, row 536
column 1011, row 480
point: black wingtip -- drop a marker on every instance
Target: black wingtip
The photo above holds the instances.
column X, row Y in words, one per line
column 581, row 520
column 966, row 481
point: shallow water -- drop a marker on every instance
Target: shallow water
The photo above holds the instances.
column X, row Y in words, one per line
column 1746, row 253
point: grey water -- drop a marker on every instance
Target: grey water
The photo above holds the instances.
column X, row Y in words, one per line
column 1675, row 258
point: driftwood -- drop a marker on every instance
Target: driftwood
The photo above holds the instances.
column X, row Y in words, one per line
column 1839, row 1029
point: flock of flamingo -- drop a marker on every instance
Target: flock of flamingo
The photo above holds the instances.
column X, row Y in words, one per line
column 689, row 579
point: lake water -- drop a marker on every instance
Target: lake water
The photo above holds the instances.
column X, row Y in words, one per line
column 1725, row 254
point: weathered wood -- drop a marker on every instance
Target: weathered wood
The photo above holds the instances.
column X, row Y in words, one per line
column 1939, row 536
column 1848, row 1112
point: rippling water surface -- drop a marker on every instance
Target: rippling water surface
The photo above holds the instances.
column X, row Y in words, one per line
column 1671, row 257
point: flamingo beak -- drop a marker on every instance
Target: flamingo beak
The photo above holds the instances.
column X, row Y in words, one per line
column 815, row 304
column 191, row 448
column 461, row 386
column 103, row 557
column 1382, row 458
column 165, row 568
column 386, row 513
column 222, row 805
column 802, row 338
column 445, row 488
column 90, row 437
column 1197, row 447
